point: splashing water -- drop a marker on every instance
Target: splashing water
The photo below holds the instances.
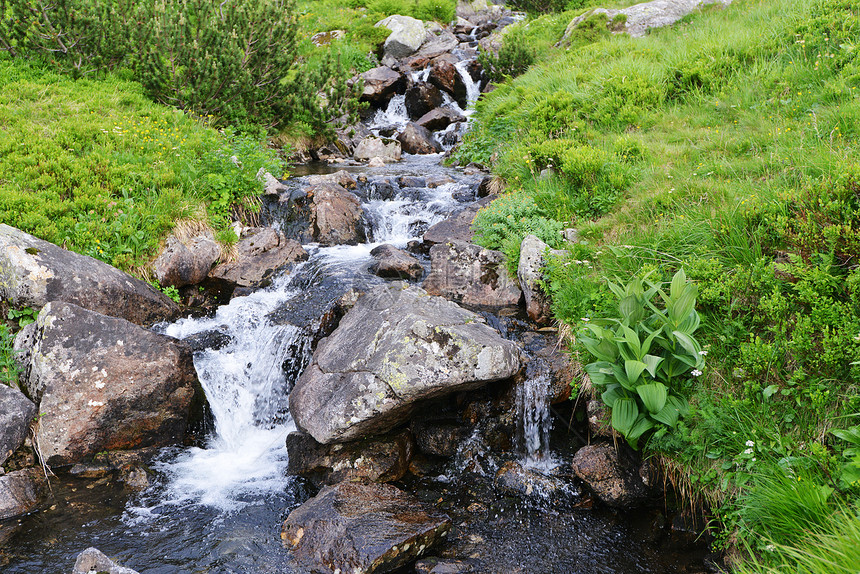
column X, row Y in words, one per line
column 535, row 422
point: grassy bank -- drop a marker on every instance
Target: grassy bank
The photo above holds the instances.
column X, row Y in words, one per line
column 726, row 146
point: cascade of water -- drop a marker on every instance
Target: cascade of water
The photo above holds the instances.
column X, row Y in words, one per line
column 393, row 115
column 535, row 421
column 473, row 88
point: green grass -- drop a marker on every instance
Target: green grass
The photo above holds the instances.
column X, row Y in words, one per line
column 96, row 167
column 727, row 146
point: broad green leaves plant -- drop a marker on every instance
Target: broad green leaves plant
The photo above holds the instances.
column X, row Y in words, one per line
column 644, row 355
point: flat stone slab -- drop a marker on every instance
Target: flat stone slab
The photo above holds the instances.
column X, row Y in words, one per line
column 354, row 527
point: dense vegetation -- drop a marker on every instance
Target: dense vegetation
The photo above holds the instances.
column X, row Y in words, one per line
column 725, row 146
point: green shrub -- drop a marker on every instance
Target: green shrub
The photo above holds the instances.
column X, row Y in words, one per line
column 514, row 57
column 442, row 11
column 644, row 358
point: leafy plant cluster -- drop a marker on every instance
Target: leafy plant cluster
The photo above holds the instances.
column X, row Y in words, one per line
column 9, row 369
column 645, row 356
column 514, row 57
column 233, row 60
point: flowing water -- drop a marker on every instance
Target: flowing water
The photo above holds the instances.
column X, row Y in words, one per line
column 217, row 507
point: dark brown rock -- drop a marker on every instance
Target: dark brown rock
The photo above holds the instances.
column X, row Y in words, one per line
column 336, row 215
column 415, row 139
column 395, row 263
column 355, row 527
column 421, row 98
column 34, row 272
column 457, row 227
column 21, row 491
column 435, row 565
column 617, row 477
column 600, row 420
column 439, row 438
column 439, row 119
column 472, row 275
column 382, row 459
column 16, row 414
column 380, row 84
column 262, row 252
column 444, row 75
column 186, row 262
column 103, row 383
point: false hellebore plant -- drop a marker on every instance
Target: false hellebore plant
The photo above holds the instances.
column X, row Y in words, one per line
column 642, row 357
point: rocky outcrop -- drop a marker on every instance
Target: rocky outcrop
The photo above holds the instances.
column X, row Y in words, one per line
column 615, row 475
column 395, row 263
column 396, row 347
column 380, row 459
column 472, row 275
column 380, row 84
column 439, row 119
column 21, row 492
column 336, row 215
column 529, row 273
column 407, row 35
column 355, row 527
column 422, row 98
column 262, row 252
column 16, row 414
column 371, row 147
column 34, row 272
column 93, row 560
column 639, row 18
column 417, row 140
column 103, row 383
column 186, row 262
column 457, row 227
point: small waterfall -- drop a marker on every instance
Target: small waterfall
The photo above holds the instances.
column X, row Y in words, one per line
column 394, row 115
column 473, row 88
column 535, row 421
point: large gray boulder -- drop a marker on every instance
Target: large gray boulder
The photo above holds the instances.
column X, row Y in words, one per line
column 458, row 227
column 439, row 119
column 388, row 150
column 103, row 383
column 21, row 491
column 417, row 140
column 395, row 348
column 641, row 17
column 354, row 527
column 259, row 254
column 34, row 272
column 186, row 262
column 393, row 263
column 407, row 35
column 380, row 84
column 336, row 215
column 94, row 560
column 472, row 275
column 16, row 414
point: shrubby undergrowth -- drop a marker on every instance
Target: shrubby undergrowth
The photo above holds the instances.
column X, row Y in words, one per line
column 726, row 146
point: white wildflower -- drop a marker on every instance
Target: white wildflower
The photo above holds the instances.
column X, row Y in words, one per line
column 703, row 353
column 696, row 372
column 748, row 451
column 750, row 443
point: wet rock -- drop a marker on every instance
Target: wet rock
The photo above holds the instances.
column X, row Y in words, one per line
column 342, row 178
column 439, row 119
column 415, row 139
column 186, row 262
column 439, row 43
column 550, row 356
column 16, row 414
column 396, row 347
column 103, row 383
column 380, row 84
column 529, row 273
column 458, row 227
column 434, row 181
column 212, row 339
column 642, row 17
column 34, row 272
column 262, row 252
column 407, row 35
column 381, row 459
column 472, row 275
column 372, row 147
column 616, row 477
column 439, row 438
column 130, row 467
column 600, row 419
column 21, row 491
column 435, row 565
column 93, row 560
column 463, row 26
column 395, row 263
column 486, row 187
column 336, row 216
column 411, row 181
column 513, row 479
column 421, row 98
column 354, row 527
column 444, row 75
